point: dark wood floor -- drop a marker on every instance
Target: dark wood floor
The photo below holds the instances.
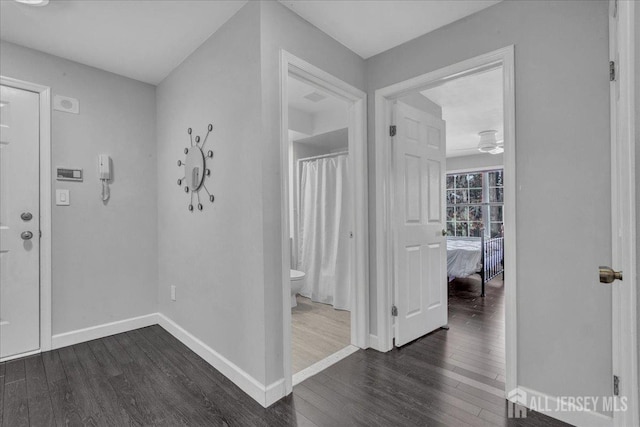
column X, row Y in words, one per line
column 147, row 377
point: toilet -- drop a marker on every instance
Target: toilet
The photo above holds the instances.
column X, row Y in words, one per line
column 297, row 282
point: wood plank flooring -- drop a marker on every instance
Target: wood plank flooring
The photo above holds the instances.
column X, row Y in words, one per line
column 147, row 377
column 318, row 331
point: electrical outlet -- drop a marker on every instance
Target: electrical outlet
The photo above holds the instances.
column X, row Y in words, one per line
column 173, row 293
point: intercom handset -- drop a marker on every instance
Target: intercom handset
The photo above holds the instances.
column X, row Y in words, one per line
column 104, row 174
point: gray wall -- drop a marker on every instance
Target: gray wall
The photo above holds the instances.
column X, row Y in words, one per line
column 104, row 256
column 215, row 257
column 462, row 163
column 562, row 114
column 282, row 29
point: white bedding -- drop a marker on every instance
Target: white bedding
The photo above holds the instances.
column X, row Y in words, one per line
column 464, row 257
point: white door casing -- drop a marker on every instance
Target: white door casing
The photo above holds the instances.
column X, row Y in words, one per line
column 19, row 194
column 420, row 249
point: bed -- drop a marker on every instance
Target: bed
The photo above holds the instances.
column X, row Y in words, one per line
column 475, row 255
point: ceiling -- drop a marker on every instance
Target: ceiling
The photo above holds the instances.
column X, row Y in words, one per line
column 146, row 39
column 297, row 92
column 143, row 40
column 369, row 27
column 332, row 141
column 470, row 105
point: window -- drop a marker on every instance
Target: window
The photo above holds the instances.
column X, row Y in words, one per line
column 475, row 203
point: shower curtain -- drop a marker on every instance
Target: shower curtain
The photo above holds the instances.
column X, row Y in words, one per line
column 324, row 231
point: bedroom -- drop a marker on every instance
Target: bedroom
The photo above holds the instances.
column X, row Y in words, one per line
column 470, row 109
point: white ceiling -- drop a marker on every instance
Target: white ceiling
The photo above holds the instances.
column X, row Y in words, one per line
column 336, row 140
column 146, row 39
column 470, row 105
column 369, row 27
column 143, row 40
column 297, row 91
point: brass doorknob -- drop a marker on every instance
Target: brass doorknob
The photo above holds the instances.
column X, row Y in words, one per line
column 607, row 275
column 26, row 235
column 444, row 232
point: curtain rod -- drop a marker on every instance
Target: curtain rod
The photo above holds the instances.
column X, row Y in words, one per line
column 323, row 156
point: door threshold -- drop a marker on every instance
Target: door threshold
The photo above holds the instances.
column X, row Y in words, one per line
column 323, row 364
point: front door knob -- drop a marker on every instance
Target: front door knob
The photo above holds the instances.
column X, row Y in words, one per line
column 444, row 232
column 26, row 235
column 607, row 275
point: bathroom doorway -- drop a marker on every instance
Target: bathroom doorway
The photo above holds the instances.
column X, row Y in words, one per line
column 325, row 227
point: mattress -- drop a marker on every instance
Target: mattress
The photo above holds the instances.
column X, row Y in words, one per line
column 464, row 257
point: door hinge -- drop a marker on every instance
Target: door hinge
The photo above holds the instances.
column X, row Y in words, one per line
column 394, row 311
column 40, row 233
column 392, row 130
column 616, row 385
column 612, row 71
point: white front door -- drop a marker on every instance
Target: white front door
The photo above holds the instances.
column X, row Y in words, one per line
column 19, row 222
column 420, row 249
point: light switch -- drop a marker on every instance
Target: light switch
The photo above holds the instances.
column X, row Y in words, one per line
column 62, row 198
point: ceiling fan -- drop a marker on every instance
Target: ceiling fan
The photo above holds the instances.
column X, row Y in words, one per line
column 489, row 143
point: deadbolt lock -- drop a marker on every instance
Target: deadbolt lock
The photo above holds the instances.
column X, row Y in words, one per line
column 26, row 216
column 607, row 275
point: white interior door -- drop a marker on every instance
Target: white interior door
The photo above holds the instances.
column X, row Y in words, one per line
column 19, row 222
column 420, row 249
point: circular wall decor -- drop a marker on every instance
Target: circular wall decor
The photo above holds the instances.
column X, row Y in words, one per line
column 196, row 169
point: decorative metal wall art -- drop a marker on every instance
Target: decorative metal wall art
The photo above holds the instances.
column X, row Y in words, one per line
column 196, row 169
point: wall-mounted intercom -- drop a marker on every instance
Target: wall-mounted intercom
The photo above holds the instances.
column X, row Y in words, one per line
column 104, row 174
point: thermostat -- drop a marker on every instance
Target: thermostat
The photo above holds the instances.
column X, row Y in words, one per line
column 69, row 174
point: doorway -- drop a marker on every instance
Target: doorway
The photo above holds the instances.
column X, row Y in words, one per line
column 390, row 299
column 334, row 144
column 25, row 219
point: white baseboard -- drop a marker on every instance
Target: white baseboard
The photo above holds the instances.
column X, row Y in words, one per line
column 274, row 392
column 373, row 342
column 577, row 418
column 263, row 395
column 101, row 331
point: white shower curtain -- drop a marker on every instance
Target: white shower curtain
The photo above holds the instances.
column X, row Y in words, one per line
column 324, row 231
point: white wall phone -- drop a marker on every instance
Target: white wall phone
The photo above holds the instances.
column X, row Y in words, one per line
column 104, row 174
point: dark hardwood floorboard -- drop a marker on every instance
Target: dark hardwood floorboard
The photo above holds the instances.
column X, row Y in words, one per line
column 147, row 377
column 40, row 408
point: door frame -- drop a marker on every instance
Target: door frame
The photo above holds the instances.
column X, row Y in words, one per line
column 384, row 250
column 44, row 93
column 623, row 208
column 302, row 70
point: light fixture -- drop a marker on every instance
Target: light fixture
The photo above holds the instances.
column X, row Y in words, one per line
column 489, row 143
column 34, row 2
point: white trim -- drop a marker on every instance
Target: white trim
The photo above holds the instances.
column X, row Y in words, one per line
column 383, row 98
column 100, row 331
column 373, row 342
column 292, row 65
column 323, row 364
column 573, row 417
column 623, row 206
column 45, row 203
column 264, row 395
column 19, row 356
column 274, row 392
column 478, row 169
